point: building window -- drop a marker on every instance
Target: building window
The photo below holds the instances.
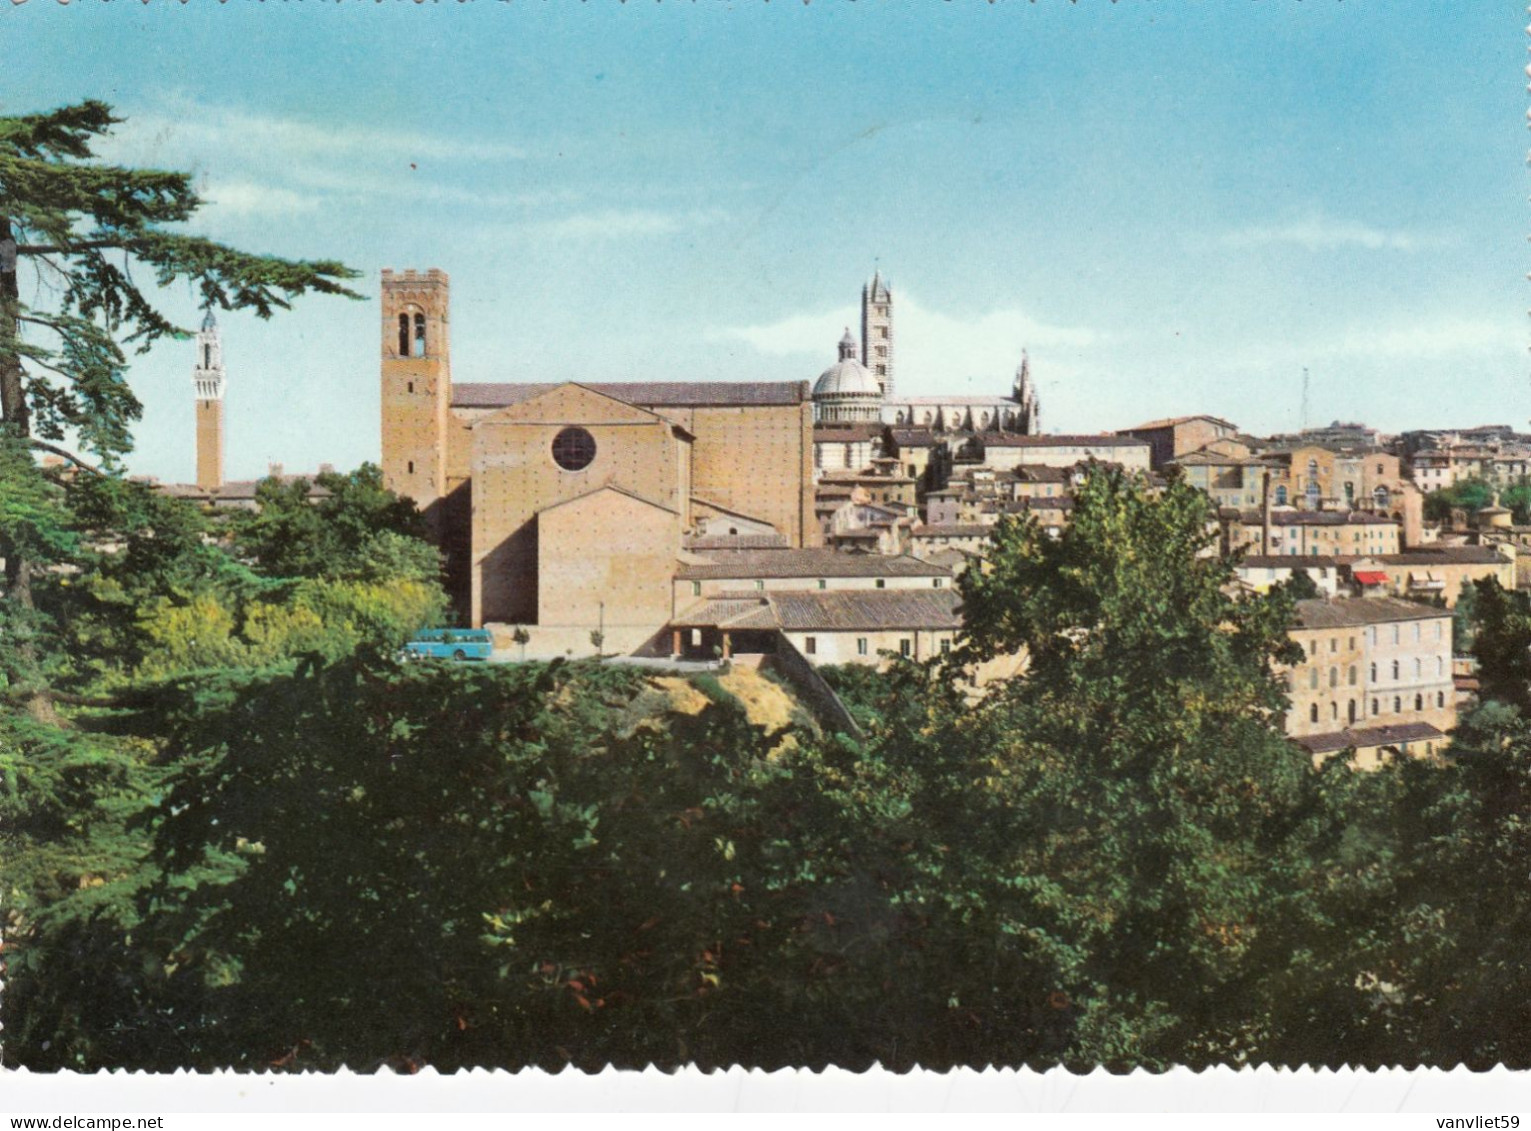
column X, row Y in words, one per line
column 811, row 645
column 696, row 588
column 759, row 584
column 861, row 645
column 1397, row 705
column 1374, row 673
column 1350, row 712
column 1376, row 707
column 946, row 646
column 403, row 335
column 1313, row 678
column 1395, row 669
column 936, row 582
column 1313, row 713
column 1352, row 675
column 573, row 449
column 1417, row 671
column 1419, row 702
column 411, row 465
column 881, row 583
column 823, row 584
column 419, row 343
column 1334, row 712
column 1281, row 496
column 904, row 647
column 1440, row 698
column 1334, row 677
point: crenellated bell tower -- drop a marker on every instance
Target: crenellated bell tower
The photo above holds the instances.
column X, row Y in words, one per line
column 417, row 383
column 207, row 380
column 877, row 332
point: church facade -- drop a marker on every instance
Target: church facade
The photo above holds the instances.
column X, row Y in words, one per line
column 568, row 505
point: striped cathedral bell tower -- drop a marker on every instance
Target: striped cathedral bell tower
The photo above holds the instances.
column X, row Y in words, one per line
column 207, row 381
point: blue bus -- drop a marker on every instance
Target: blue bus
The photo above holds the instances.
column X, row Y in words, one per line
column 449, row 644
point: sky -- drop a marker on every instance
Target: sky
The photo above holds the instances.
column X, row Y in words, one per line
column 1173, row 207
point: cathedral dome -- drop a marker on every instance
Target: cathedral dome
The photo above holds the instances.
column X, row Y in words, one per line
column 847, row 376
column 847, row 391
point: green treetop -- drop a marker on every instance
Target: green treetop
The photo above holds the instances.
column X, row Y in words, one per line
column 87, row 236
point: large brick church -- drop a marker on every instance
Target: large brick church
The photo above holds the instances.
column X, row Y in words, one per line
column 568, row 505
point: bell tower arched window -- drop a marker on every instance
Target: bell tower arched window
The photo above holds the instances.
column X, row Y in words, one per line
column 419, row 342
column 207, row 355
column 403, row 335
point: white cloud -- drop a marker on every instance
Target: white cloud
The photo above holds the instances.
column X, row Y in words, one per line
column 203, row 128
column 1319, row 233
column 934, row 352
column 249, row 198
column 616, row 223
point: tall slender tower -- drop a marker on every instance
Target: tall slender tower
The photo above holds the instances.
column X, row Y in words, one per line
column 1025, row 394
column 417, row 384
column 207, row 381
column 877, row 332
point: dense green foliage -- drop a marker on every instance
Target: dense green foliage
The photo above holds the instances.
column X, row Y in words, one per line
column 1114, row 858
column 248, row 837
column 1470, row 495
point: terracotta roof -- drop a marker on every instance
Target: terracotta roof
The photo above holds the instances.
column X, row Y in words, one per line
column 1294, row 561
column 868, row 609
column 728, row 611
column 937, row 402
column 735, row 542
column 827, row 611
column 1105, row 440
column 1171, row 421
column 915, row 438
column 953, row 530
column 1446, row 555
column 833, row 433
column 669, row 394
column 1037, row 473
column 811, row 562
column 1348, row 612
column 1368, row 737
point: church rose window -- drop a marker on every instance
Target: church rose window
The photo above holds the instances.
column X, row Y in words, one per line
column 573, row 449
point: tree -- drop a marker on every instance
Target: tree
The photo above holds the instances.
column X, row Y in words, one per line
column 352, row 528
column 80, row 228
column 1132, row 826
column 1301, row 586
column 1470, row 495
column 1502, row 643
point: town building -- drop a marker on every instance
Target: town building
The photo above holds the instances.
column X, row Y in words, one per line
column 1175, row 437
column 1371, row 662
column 1289, row 532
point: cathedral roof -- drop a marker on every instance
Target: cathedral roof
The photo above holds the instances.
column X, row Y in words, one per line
column 848, row 377
column 208, row 321
column 644, row 394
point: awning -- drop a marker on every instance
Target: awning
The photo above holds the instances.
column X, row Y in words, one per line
column 1370, row 577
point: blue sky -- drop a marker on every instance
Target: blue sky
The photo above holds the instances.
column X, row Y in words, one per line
column 1174, row 207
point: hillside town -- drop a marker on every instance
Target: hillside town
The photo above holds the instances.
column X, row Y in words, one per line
column 828, row 521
